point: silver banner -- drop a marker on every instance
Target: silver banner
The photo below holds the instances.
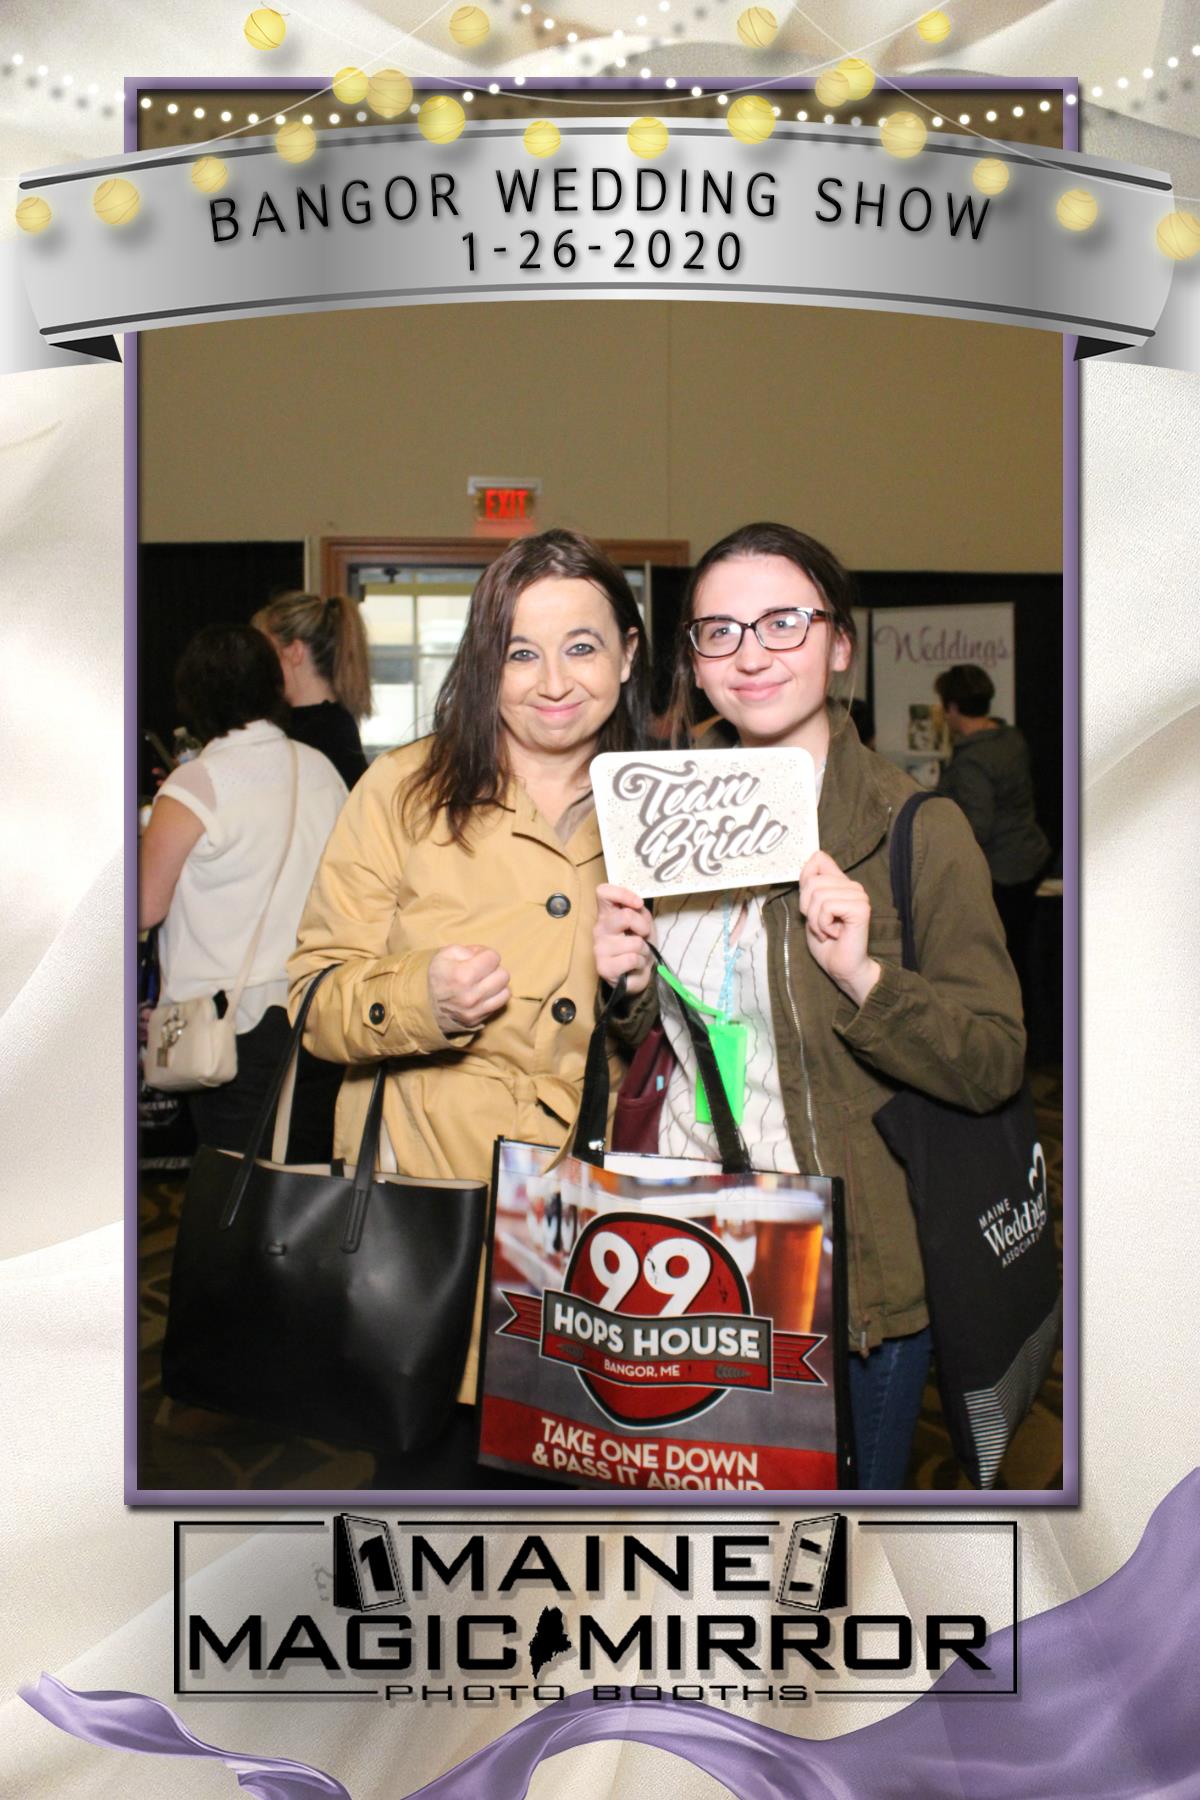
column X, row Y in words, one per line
column 817, row 216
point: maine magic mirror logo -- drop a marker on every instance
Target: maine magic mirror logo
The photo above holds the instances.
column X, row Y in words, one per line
column 498, row 1613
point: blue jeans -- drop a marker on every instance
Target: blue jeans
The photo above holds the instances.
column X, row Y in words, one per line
column 885, row 1401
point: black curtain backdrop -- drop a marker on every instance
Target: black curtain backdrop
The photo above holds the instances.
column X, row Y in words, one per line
column 1037, row 602
column 182, row 587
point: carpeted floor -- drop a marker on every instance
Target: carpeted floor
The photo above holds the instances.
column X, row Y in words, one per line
column 183, row 1449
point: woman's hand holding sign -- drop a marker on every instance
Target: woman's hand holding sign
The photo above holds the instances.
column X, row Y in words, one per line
column 837, row 917
column 623, row 927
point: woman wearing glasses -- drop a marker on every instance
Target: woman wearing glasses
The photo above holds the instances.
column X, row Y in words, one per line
column 813, row 969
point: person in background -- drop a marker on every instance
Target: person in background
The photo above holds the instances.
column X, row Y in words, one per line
column 990, row 776
column 458, row 894
column 864, row 723
column 322, row 648
column 813, row 970
column 209, row 856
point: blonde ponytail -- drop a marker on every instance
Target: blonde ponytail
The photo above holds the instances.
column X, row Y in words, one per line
column 336, row 638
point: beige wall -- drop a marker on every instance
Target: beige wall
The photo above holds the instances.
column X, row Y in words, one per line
column 903, row 442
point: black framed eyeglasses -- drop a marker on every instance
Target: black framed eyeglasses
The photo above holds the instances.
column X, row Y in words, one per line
column 784, row 628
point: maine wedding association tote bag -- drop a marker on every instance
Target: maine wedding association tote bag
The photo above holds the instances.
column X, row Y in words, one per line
column 333, row 1302
column 660, row 1323
column 978, row 1186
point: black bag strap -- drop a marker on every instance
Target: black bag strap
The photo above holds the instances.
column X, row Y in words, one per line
column 368, row 1149
column 591, row 1129
column 900, row 861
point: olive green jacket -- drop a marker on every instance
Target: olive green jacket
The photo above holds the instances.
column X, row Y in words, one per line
column 954, row 1030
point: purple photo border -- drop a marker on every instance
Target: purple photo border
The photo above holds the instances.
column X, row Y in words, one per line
column 475, row 1499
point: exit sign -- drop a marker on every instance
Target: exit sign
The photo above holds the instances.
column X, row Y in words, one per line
column 503, row 500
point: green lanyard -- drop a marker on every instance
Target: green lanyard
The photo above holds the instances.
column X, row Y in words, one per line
column 729, row 1038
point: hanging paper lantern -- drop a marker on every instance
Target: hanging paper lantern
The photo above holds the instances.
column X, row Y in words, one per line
column 469, row 25
column 833, row 88
column 265, row 29
column 542, row 137
column 441, row 119
column 751, row 119
column 990, row 175
column 33, row 214
column 934, row 27
column 647, row 137
column 903, row 134
column 389, row 93
column 350, row 86
column 1077, row 210
column 1178, row 235
column 116, row 201
column 859, row 74
column 757, row 27
column 296, row 141
column 209, row 174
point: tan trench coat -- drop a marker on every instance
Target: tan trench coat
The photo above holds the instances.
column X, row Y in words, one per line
column 381, row 906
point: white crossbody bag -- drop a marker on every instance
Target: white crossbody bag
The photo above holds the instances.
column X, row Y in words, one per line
column 190, row 1044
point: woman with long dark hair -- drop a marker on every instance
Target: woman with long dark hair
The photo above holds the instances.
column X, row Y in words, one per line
column 813, row 969
column 458, row 891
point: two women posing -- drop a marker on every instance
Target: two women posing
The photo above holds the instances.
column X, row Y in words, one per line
column 462, row 895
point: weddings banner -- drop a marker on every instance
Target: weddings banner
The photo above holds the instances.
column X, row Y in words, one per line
column 815, row 215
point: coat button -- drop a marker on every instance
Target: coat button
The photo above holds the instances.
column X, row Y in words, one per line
column 377, row 1014
column 563, row 1011
column 558, row 906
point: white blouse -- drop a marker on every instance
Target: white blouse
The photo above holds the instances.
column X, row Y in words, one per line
column 239, row 788
column 691, row 934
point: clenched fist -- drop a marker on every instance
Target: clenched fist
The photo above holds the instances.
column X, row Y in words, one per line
column 466, row 986
column 623, row 927
column 837, row 917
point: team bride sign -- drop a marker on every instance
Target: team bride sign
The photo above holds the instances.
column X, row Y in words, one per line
column 693, row 821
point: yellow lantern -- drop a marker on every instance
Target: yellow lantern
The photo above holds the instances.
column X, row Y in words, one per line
column 1077, row 210
column 751, row 119
column 934, row 27
column 469, row 25
column 833, row 88
column 296, row 141
column 350, row 86
column 757, row 27
column 265, row 29
column 209, row 174
column 647, row 137
column 859, row 74
column 903, row 134
column 116, row 201
column 441, row 119
column 1178, row 235
column 990, row 175
column 33, row 214
column 389, row 93
column 542, row 138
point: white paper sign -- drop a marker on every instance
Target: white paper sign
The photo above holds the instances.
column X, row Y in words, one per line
column 695, row 821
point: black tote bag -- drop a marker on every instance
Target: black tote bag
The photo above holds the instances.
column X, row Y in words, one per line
column 977, row 1182
column 335, row 1304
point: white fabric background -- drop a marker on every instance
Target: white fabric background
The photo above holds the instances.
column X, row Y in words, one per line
column 85, row 1583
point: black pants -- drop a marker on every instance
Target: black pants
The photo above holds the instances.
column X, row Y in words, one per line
column 1015, row 903
column 449, row 1463
column 224, row 1116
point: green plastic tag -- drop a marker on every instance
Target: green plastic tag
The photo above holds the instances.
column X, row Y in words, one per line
column 728, row 1038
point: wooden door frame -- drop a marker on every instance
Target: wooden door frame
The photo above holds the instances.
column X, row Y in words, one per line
column 337, row 553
